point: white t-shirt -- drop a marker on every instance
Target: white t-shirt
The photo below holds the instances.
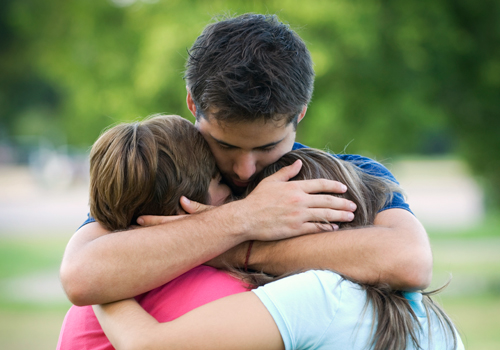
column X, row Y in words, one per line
column 321, row 310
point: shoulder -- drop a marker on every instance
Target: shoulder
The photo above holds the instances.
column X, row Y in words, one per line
column 367, row 164
column 89, row 220
column 296, row 295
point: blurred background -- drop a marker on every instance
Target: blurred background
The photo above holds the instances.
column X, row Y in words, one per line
column 414, row 84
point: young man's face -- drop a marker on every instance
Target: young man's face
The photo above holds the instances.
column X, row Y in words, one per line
column 243, row 149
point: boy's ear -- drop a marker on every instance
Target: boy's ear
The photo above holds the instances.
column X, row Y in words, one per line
column 190, row 103
column 302, row 114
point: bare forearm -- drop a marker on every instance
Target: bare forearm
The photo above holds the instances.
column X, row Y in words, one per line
column 99, row 267
column 397, row 254
column 125, row 323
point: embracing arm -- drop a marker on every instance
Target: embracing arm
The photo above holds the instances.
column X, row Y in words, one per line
column 99, row 267
column 239, row 321
column 395, row 250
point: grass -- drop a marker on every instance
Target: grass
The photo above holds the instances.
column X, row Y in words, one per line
column 19, row 256
column 490, row 227
column 476, row 317
column 25, row 323
column 472, row 298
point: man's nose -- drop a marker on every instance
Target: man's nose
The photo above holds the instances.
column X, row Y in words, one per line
column 244, row 166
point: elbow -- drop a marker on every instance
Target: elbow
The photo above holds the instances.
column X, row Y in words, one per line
column 417, row 278
column 76, row 287
column 416, row 271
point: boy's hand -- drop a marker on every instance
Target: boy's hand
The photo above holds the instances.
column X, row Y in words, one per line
column 278, row 208
column 189, row 207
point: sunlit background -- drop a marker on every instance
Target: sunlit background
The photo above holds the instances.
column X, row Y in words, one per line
column 414, row 84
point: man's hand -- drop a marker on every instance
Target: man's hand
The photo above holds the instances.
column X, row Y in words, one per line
column 189, row 207
column 279, row 209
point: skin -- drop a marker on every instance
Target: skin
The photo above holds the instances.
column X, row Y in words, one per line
column 99, row 267
column 218, row 192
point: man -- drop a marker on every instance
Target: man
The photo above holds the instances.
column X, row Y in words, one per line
column 249, row 81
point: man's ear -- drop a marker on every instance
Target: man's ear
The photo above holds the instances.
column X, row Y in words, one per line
column 302, row 114
column 190, row 103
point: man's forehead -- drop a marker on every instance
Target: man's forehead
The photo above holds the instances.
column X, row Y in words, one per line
column 259, row 133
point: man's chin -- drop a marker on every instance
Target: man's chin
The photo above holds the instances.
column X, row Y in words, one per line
column 238, row 187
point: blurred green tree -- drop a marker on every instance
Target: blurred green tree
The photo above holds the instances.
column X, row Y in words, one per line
column 393, row 77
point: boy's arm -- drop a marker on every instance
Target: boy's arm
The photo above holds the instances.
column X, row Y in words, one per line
column 100, row 267
column 395, row 251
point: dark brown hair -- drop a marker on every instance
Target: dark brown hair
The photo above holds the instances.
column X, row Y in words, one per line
column 396, row 321
column 250, row 67
column 145, row 167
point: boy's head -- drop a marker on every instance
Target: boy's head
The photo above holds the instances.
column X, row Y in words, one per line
column 145, row 167
column 249, row 81
column 248, row 68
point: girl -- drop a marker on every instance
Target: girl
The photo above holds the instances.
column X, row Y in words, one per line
column 144, row 168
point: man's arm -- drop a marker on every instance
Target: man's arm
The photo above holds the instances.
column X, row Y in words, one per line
column 395, row 250
column 100, row 267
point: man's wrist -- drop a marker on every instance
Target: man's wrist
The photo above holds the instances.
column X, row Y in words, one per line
column 235, row 220
column 259, row 259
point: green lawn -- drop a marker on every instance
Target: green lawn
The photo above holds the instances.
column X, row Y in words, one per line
column 472, row 298
column 30, row 323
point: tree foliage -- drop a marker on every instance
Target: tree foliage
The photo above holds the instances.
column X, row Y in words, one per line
column 393, row 77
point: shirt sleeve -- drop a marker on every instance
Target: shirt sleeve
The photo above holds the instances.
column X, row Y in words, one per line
column 373, row 167
column 303, row 306
column 88, row 221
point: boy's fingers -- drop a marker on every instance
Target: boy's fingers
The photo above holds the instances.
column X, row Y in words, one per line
column 327, row 201
column 153, row 220
column 322, row 186
column 192, row 207
column 286, row 173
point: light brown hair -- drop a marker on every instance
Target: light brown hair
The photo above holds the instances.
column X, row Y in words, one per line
column 145, row 167
column 397, row 323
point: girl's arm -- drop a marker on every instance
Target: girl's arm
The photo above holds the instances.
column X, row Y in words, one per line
column 239, row 321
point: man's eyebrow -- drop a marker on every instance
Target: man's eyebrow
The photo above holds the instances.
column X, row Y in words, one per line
column 271, row 144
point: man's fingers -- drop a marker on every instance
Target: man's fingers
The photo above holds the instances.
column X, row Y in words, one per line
column 329, row 215
column 192, row 207
column 153, row 220
column 329, row 202
column 322, row 186
column 286, row 173
column 318, row 227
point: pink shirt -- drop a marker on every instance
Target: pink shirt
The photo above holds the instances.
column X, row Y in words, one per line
column 201, row 285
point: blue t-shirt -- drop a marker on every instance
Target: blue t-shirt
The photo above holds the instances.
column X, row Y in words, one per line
column 369, row 165
column 321, row 310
